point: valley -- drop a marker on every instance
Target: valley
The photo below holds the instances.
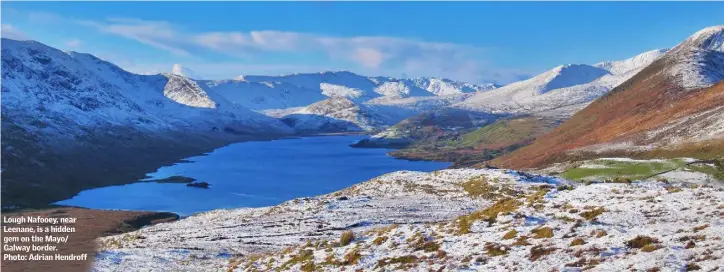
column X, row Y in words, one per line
column 238, row 176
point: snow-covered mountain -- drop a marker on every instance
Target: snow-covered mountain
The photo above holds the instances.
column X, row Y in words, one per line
column 555, row 94
column 361, row 88
column 44, row 84
column 673, row 107
column 71, row 121
column 337, row 114
column 562, row 90
column 698, row 62
column 391, row 98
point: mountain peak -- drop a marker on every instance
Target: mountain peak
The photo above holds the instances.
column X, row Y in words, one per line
column 634, row 63
column 698, row 62
column 710, row 38
column 179, row 70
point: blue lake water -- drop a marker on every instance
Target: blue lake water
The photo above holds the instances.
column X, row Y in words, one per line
column 254, row 174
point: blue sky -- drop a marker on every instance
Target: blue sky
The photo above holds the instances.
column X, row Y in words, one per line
column 469, row 41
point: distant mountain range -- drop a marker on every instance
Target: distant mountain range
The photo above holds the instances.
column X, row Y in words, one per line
column 555, row 95
column 566, row 88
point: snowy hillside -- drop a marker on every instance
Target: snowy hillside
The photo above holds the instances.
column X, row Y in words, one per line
column 568, row 87
column 632, row 64
column 384, row 98
column 361, row 88
column 71, row 122
column 672, row 107
column 448, row 220
column 45, row 84
column 698, row 62
column 339, row 114
column 556, row 94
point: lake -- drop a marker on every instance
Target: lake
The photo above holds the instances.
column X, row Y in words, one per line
column 254, row 174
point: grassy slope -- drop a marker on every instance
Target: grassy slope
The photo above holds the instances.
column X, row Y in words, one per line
column 434, row 125
column 481, row 144
column 644, row 102
column 505, row 133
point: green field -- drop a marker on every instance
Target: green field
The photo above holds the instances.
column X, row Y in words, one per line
column 609, row 169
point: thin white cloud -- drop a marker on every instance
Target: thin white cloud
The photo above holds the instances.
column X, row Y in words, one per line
column 369, row 55
column 154, row 33
column 10, row 32
column 377, row 52
column 73, row 43
column 42, row 17
column 223, row 70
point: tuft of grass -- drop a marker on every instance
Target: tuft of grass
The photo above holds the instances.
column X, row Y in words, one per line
column 539, row 251
column 303, row 256
column 690, row 244
column 692, row 267
column 702, row 227
column 542, row 232
column 521, row 241
column 592, row 214
column 478, row 187
column 578, row 242
column 650, row 247
column 641, row 241
column 489, row 214
column 585, row 263
column 346, row 238
column 408, row 259
column 619, row 180
column 380, row 240
column 481, row 187
column 510, row 234
column 565, row 187
column 352, row 257
column 384, row 230
column 537, row 196
column 308, row 267
column 330, row 260
column 496, row 249
column 421, row 243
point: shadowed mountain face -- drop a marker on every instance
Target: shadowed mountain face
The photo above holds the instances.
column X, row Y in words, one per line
column 674, row 107
column 72, row 122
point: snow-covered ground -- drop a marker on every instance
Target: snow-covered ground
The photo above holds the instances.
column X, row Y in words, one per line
column 454, row 220
column 698, row 62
